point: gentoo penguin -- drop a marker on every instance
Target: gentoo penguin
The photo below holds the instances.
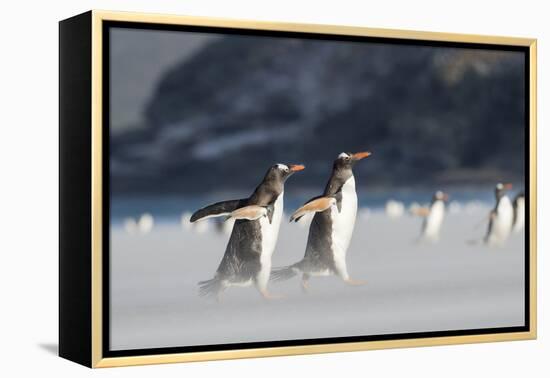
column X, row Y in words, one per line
column 501, row 217
column 331, row 227
column 519, row 212
column 247, row 258
column 433, row 217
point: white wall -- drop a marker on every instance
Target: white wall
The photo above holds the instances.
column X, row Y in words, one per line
column 28, row 184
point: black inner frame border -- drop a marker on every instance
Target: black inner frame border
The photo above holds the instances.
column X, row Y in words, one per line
column 106, row 330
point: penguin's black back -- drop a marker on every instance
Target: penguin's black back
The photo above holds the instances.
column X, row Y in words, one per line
column 241, row 260
column 318, row 254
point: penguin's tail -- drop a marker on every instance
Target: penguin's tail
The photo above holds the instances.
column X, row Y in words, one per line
column 283, row 274
column 210, row 288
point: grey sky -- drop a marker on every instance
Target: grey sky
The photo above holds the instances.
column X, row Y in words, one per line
column 138, row 59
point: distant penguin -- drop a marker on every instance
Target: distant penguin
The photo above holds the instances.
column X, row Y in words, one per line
column 394, row 209
column 247, row 258
column 500, row 218
column 185, row 221
column 130, row 225
column 201, row 227
column 331, row 228
column 433, row 218
column 145, row 223
column 519, row 213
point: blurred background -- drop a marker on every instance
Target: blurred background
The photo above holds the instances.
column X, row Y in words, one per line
column 198, row 117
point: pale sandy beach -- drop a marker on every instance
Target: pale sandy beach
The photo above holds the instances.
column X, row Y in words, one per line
column 411, row 287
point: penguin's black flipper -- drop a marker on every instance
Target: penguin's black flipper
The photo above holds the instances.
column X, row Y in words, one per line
column 218, row 209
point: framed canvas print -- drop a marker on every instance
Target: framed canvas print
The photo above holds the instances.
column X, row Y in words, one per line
column 235, row 189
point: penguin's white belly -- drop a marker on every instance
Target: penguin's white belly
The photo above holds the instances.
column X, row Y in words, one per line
column 434, row 221
column 520, row 215
column 269, row 234
column 502, row 222
column 343, row 222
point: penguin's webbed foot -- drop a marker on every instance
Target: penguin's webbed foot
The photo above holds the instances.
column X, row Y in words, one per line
column 305, row 286
column 268, row 296
column 353, row 282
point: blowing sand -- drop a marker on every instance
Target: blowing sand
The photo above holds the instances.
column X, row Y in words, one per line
column 410, row 287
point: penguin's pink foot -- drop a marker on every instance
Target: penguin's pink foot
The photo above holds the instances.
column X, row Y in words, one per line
column 353, row 282
column 305, row 286
column 269, row 296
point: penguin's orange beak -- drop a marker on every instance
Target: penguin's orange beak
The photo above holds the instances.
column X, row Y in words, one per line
column 445, row 197
column 296, row 167
column 360, row 155
column 508, row 186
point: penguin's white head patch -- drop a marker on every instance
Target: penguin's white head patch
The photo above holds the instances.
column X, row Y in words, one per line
column 343, row 155
column 500, row 186
column 283, row 167
column 439, row 195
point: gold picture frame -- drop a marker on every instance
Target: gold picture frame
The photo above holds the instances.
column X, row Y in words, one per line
column 90, row 331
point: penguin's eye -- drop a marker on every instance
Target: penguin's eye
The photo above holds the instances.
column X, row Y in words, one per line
column 347, row 158
column 286, row 170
